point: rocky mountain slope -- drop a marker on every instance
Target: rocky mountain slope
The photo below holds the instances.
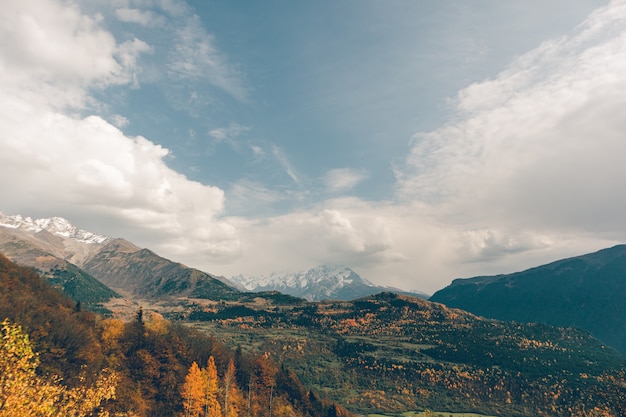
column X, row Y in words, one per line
column 48, row 253
column 587, row 291
column 120, row 264
column 320, row 283
column 87, row 265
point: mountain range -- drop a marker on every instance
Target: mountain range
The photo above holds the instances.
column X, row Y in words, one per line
column 323, row 282
column 588, row 292
column 65, row 254
column 94, row 268
column 386, row 352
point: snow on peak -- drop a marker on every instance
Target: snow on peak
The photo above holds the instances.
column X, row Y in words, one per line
column 55, row 225
column 315, row 283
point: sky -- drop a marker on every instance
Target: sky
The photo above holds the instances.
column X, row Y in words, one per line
column 413, row 141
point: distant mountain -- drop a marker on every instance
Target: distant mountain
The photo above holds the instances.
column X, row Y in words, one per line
column 319, row 283
column 587, row 291
column 86, row 265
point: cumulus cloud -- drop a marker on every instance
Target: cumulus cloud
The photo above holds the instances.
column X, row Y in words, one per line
column 340, row 233
column 538, row 148
column 51, row 52
column 529, row 169
column 58, row 163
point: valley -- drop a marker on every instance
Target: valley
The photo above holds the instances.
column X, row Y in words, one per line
column 387, row 353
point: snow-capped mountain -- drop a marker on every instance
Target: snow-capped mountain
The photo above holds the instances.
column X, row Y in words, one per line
column 56, row 225
column 87, row 261
column 319, row 283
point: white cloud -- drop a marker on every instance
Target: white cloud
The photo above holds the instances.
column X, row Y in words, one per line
column 343, row 179
column 284, row 162
column 529, row 171
column 346, row 232
column 52, row 53
column 537, row 145
column 258, row 151
column 142, row 17
column 229, row 134
column 57, row 163
column 195, row 57
column 119, row 121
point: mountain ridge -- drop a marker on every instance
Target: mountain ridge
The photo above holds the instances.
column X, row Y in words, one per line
column 67, row 256
column 384, row 352
column 316, row 284
column 586, row 291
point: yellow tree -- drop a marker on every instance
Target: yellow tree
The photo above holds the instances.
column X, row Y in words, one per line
column 24, row 393
column 211, row 404
column 193, row 391
column 232, row 396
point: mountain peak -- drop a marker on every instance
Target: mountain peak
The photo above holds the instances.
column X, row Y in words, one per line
column 56, row 225
column 323, row 282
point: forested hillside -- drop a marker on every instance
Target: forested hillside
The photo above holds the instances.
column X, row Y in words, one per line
column 586, row 291
column 391, row 353
column 145, row 367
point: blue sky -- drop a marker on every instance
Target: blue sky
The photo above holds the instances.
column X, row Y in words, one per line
column 413, row 141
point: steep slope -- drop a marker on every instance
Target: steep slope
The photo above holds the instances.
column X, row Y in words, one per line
column 586, row 291
column 56, row 236
column 316, row 284
column 85, row 264
column 120, row 264
column 43, row 251
column 56, row 328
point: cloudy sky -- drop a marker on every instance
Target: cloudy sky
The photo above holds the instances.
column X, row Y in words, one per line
column 413, row 141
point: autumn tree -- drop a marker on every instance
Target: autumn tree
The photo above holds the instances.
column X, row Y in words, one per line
column 194, row 391
column 232, row 398
column 263, row 386
column 211, row 404
column 24, row 393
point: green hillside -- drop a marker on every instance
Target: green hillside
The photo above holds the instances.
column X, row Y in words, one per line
column 586, row 291
column 391, row 353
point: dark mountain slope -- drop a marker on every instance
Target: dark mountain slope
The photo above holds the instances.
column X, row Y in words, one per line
column 120, row 264
column 587, row 291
